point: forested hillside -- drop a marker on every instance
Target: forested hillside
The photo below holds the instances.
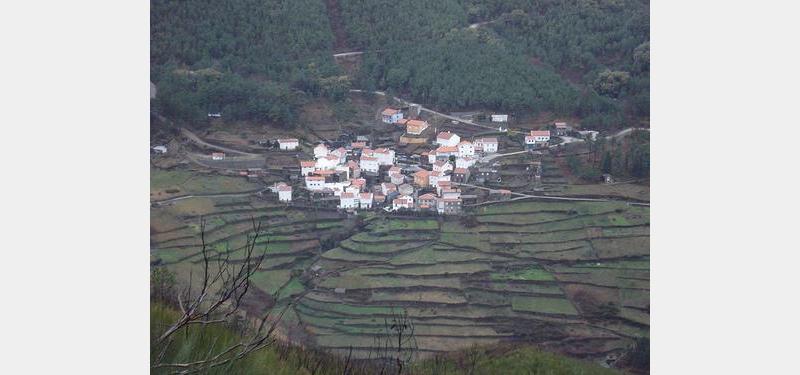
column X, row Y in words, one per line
column 263, row 49
column 582, row 58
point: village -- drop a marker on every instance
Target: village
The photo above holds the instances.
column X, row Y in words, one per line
column 356, row 176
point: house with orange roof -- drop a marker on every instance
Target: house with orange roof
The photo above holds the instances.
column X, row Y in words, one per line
column 307, row 167
column 537, row 138
column 416, row 127
column 404, row 201
column 426, row 201
column 284, row 192
column 421, row 178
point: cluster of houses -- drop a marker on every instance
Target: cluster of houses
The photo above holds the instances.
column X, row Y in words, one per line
column 355, row 176
column 363, row 178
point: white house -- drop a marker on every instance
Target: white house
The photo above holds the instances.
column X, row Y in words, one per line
column 320, row 151
column 217, row 156
column 160, row 149
column 368, row 164
column 453, row 193
column 465, row 162
column 442, row 166
column 348, row 200
column 487, row 145
column 537, row 136
column 447, row 139
column 288, row 143
column 340, row 153
column 365, row 200
column 307, row 167
column 387, row 188
column 359, row 183
column 337, row 187
column 391, row 115
column 315, row 182
column 327, row 162
column 284, row 193
column 355, row 170
column 499, row 118
column 352, row 189
column 445, row 152
column 397, row 178
column 465, row 148
column 384, row 156
column 403, row 202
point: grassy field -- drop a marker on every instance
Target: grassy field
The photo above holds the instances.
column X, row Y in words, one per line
column 521, row 271
column 163, row 182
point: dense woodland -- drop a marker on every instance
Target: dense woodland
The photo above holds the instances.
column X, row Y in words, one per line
column 265, row 51
column 582, row 58
column 625, row 157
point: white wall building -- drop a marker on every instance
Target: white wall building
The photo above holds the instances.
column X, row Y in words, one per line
column 384, row 156
column 447, row 139
column 537, row 136
column 465, row 162
column 391, row 115
column 284, row 193
column 348, row 200
column 315, row 182
column 288, row 143
column 321, row 151
column 368, row 164
column 403, row 202
column 499, row 118
column 465, row 148
column 442, row 166
column 327, row 162
column 307, row 167
column 365, row 200
column 488, row 145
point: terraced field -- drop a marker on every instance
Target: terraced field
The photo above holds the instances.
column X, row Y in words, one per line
column 570, row 276
column 552, row 273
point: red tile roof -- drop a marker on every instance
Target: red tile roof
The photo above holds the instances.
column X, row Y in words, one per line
column 540, row 133
column 307, row 163
column 445, row 135
column 389, row 111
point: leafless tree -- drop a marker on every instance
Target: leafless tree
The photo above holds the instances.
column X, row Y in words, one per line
column 396, row 346
column 215, row 299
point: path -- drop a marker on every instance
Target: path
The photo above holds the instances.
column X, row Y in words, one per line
column 423, row 109
column 194, row 138
column 491, row 157
column 218, row 195
column 521, row 195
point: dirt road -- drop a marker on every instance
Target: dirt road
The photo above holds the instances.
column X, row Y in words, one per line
column 194, row 138
column 551, row 197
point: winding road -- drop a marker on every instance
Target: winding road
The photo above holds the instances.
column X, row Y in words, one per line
column 194, row 138
column 552, row 197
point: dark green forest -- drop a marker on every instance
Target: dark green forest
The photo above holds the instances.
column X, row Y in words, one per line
column 582, row 58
